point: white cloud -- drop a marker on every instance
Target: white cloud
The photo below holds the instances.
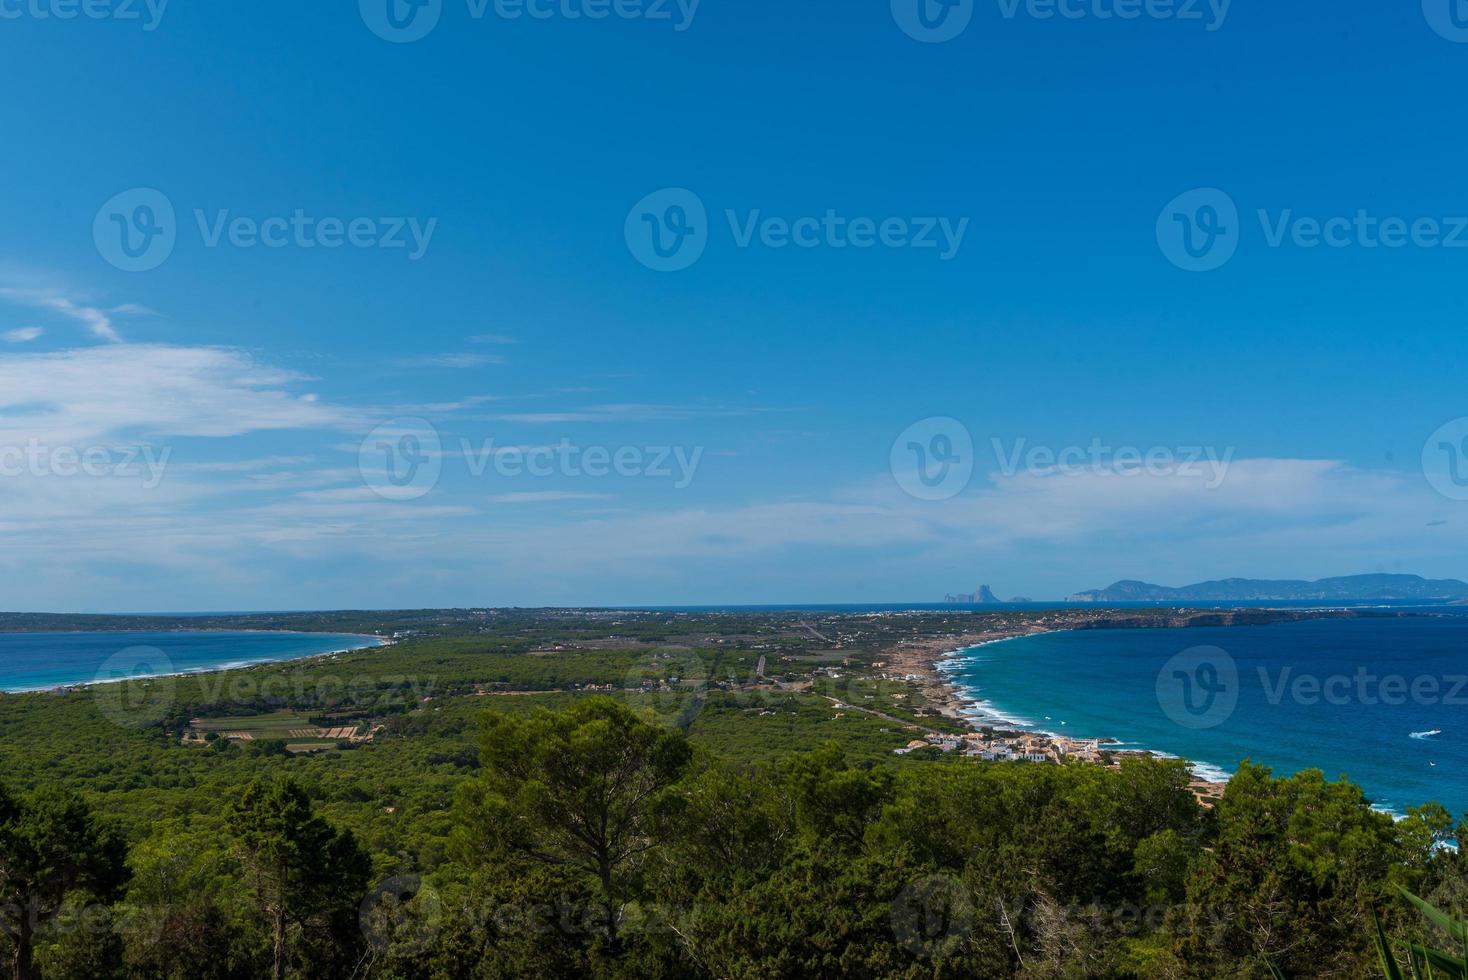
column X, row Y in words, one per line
column 248, row 517
column 22, row 335
column 96, row 320
column 1041, row 534
column 148, row 390
column 1064, row 532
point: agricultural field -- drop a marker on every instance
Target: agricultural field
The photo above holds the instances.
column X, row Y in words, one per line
column 299, row 732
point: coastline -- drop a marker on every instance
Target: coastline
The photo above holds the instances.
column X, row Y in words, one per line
column 933, row 662
column 79, row 685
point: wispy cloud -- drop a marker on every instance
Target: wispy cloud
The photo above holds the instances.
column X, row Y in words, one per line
column 492, row 338
column 445, row 408
column 543, row 496
column 246, row 465
column 454, row 360
column 97, row 320
column 130, row 390
column 22, row 335
column 615, row 413
column 1272, row 517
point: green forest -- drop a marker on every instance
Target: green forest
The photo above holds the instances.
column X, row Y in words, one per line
column 577, row 795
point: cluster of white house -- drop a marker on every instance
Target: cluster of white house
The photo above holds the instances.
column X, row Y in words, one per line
column 1011, row 748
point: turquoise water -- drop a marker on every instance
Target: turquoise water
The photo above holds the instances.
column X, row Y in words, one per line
column 39, row 661
column 1361, row 698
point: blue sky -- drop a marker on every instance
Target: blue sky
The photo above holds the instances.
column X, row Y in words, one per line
column 226, row 391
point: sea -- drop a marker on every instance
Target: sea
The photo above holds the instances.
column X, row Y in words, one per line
column 1381, row 701
column 42, row 661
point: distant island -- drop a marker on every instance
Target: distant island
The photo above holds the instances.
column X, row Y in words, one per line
column 981, row 596
column 1343, row 588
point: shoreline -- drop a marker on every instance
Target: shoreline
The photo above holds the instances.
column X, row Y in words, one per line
column 80, row 685
column 932, row 663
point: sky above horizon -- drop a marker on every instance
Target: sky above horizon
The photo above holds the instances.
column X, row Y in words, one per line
column 603, row 302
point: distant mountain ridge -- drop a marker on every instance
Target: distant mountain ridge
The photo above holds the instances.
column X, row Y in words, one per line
column 1248, row 589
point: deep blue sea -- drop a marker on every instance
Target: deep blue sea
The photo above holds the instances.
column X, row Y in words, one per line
column 39, row 661
column 1382, row 701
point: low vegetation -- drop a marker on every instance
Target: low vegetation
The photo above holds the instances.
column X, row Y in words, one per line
column 629, row 797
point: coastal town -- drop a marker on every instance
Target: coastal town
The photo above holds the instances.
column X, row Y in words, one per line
column 1010, row 747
